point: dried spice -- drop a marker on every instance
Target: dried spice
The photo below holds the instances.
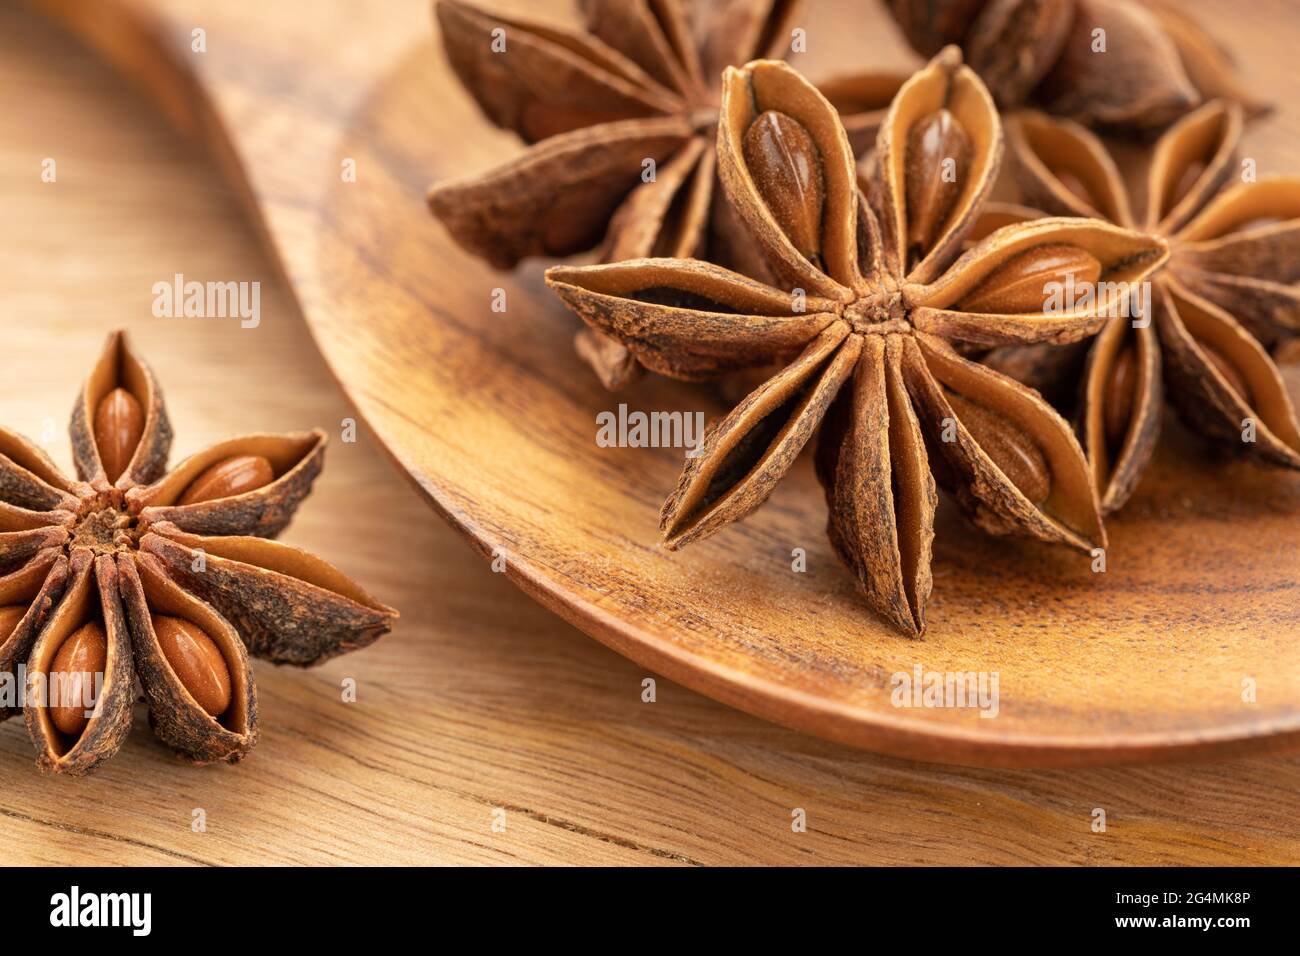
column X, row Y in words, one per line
column 1227, row 295
column 639, row 84
column 868, row 327
column 134, row 572
column 1157, row 63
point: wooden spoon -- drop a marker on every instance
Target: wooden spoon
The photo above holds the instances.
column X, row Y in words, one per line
column 1188, row 644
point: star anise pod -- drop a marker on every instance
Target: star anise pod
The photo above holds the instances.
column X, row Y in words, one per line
column 1228, row 293
column 131, row 573
column 1157, row 63
column 639, row 84
column 875, row 306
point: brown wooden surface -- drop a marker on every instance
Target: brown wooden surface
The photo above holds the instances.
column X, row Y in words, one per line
column 493, row 416
column 481, row 699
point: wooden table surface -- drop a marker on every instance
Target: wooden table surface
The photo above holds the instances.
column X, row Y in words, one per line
column 481, row 706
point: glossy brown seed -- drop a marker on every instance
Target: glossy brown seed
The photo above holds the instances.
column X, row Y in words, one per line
column 1236, row 381
column 119, row 423
column 1023, row 283
column 787, row 169
column 9, row 618
column 1014, row 452
column 79, row 660
column 197, row 662
column 933, row 183
column 1117, row 402
column 228, row 477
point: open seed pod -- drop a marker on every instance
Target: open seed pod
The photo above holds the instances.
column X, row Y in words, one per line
column 1242, row 252
column 1119, row 414
column 247, row 485
column 120, row 432
column 290, row 606
column 192, row 665
column 85, row 606
column 24, row 534
column 880, row 491
column 29, row 480
column 1237, row 249
column 1223, row 381
column 938, row 156
column 647, row 304
column 1064, row 169
column 1035, row 281
column 1096, row 256
column 79, row 672
column 1051, row 370
column 1191, row 163
column 26, row 597
column 895, row 406
column 751, row 449
column 786, row 164
column 1014, row 463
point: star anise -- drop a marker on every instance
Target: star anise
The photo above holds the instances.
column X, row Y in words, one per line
column 129, row 573
column 876, row 305
column 639, row 84
column 1228, row 293
column 1156, row 65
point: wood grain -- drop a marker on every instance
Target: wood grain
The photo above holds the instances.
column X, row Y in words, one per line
column 480, row 699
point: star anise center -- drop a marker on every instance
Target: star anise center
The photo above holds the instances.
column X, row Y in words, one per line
column 877, row 313
column 106, row 528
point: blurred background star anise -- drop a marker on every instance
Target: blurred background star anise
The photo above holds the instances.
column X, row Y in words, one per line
column 1155, row 63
